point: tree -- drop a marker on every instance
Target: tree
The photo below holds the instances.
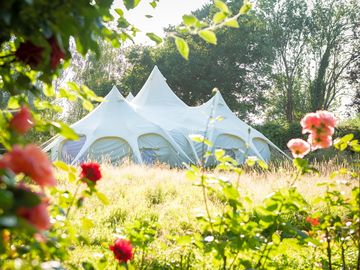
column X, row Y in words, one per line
column 101, row 72
column 287, row 23
column 238, row 66
column 331, row 48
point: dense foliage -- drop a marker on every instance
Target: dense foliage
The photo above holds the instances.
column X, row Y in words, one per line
column 38, row 223
column 287, row 58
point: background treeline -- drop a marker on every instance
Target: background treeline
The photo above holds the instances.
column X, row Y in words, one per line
column 286, row 59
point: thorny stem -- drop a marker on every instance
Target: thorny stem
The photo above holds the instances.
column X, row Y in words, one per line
column 328, row 248
column 73, row 200
column 343, row 256
column 234, row 260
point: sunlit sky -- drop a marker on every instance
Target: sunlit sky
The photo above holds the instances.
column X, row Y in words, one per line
column 167, row 12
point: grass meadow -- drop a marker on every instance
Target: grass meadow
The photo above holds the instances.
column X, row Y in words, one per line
column 167, row 198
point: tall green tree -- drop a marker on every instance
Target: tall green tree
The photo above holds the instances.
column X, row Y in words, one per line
column 238, row 65
column 287, row 23
column 331, row 48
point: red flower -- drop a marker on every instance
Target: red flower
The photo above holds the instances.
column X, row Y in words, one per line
column 21, row 121
column 56, row 53
column 37, row 216
column 298, row 147
column 29, row 54
column 313, row 221
column 31, row 161
column 91, row 171
column 122, row 250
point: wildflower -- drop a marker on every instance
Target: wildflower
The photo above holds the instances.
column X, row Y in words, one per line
column 318, row 142
column 21, row 121
column 31, row 161
column 56, row 53
column 327, row 118
column 37, row 216
column 29, row 54
column 298, row 147
column 310, row 122
column 122, row 250
column 91, row 171
column 313, row 221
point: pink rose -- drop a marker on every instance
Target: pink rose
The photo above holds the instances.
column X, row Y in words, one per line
column 31, row 161
column 298, row 147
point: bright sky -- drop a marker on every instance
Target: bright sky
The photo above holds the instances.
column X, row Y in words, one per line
column 167, row 12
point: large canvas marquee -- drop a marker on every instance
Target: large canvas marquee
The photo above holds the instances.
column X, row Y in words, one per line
column 156, row 126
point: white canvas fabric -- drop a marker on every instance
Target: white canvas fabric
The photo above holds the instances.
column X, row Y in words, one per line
column 113, row 131
column 155, row 126
column 129, row 97
column 158, row 103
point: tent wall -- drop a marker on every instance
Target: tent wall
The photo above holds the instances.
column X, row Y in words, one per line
column 155, row 148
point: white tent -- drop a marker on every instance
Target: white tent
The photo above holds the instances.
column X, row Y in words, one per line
column 114, row 131
column 129, row 97
column 158, row 103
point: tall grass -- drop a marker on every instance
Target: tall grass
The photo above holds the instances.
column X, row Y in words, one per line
column 164, row 195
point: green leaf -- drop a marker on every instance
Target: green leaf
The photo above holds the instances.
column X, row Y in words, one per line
column 102, row 197
column 347, row 138
column 130, row 4
column 232, row 23
column 208, row 36
column 251, row 161
column 87, row 105
column 49, row 90
column 219, row 17
column 263, row 164
column 222, row 6
column 189, row 20
column 6, row 199
column 197, row 138
column 61, row 165
column 154, row 37
column 182, row 47
column 87, row 224
column 13, row 103
column 65, row 131
column 119, row 11
column 219, row 153
column 245, row 7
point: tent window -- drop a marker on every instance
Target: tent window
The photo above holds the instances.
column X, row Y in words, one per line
column 70, row 149
column 110, row 149
column 148, row 156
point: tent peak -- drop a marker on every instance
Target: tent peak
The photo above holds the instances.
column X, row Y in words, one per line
column 114, row 95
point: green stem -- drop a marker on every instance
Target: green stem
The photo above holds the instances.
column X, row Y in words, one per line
column 73, row 200
column 328, row 248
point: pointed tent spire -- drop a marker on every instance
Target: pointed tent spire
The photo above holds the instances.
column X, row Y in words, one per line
column 156, row 92
column 114, row 95
column 130, row 97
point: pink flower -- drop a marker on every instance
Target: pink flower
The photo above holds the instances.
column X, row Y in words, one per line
column 298, row 147
column 21, row 121
column 31, row 161
column 37, row 216
column 122, row 250
column 318, row 141
column 91, row 171
column 327, row 118
column 310, row 122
